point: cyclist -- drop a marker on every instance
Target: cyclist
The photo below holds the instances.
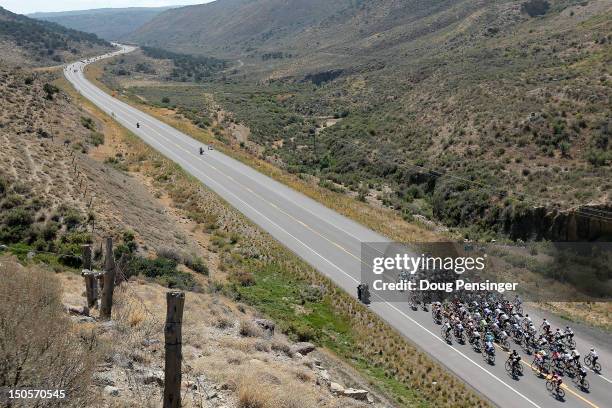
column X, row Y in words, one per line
column 575, row 355
column 447, row 329
column 545, row 326
column 515, row 360
column 582, row 372
column 531, row 329
column 489, row 348
column 593, row 356
column 557, row 381
column 459, row 328
column 542, row 341
column 494, row 326
column 475, row 337
column 568, row 332
column 567, row 358
column 483, row 324
column 517, row 300
column 503, row 318
column 541, row 355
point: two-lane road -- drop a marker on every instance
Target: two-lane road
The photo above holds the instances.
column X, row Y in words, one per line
column 331, row 243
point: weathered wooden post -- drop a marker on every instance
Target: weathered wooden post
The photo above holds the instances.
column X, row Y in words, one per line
column 87, row 256
column 90, row 279
column 173, row 334
column 109, row 281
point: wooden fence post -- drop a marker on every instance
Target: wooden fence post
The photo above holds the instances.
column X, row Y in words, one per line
column 173, row 334
column 90, row 279
column 109, row 281
column 87, row 257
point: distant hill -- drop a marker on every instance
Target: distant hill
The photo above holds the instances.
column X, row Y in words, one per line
column 228, row 27
column 24, row 40
column 108, row 23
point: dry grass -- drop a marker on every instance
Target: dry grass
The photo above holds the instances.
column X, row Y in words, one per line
column 597, row 314
column 38, row 346
column 255, row 394
column 249, row 329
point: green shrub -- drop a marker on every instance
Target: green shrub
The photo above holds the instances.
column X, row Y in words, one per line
column 88, row 123
column 535, row 7
column 3, row 186
column 151, row 268
column 50, row 90
column 96, row 138
column 19, row 217
column 197, row 265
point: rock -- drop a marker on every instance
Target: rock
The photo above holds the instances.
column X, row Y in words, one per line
column 360, row 395
column 77, row 310
column 84, row 319
column 108, row 324
column 153, row 377
column 267, row 325
column 122, row 361
column 336, row 388
column 149, row 342
column 230, row 385
column 323, row 378
column 303, row 348
column 104, row 378
column 112, row 391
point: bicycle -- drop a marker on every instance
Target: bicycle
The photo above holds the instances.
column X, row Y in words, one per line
column 588, row 361
column 514, row 369
column 555, row 388
column 459, row 336
column 489, row 356
column 581, row 383
column 447, row 336
column 539, row 367
column 436, row 314
column 504, row 343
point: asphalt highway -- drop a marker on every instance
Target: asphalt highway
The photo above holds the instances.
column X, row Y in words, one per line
column 332, row 243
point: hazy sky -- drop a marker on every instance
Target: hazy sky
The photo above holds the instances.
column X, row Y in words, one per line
column 31, row 6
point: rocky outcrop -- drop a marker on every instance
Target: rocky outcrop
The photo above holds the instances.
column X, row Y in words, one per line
column 302, row 348
column 585, row 223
